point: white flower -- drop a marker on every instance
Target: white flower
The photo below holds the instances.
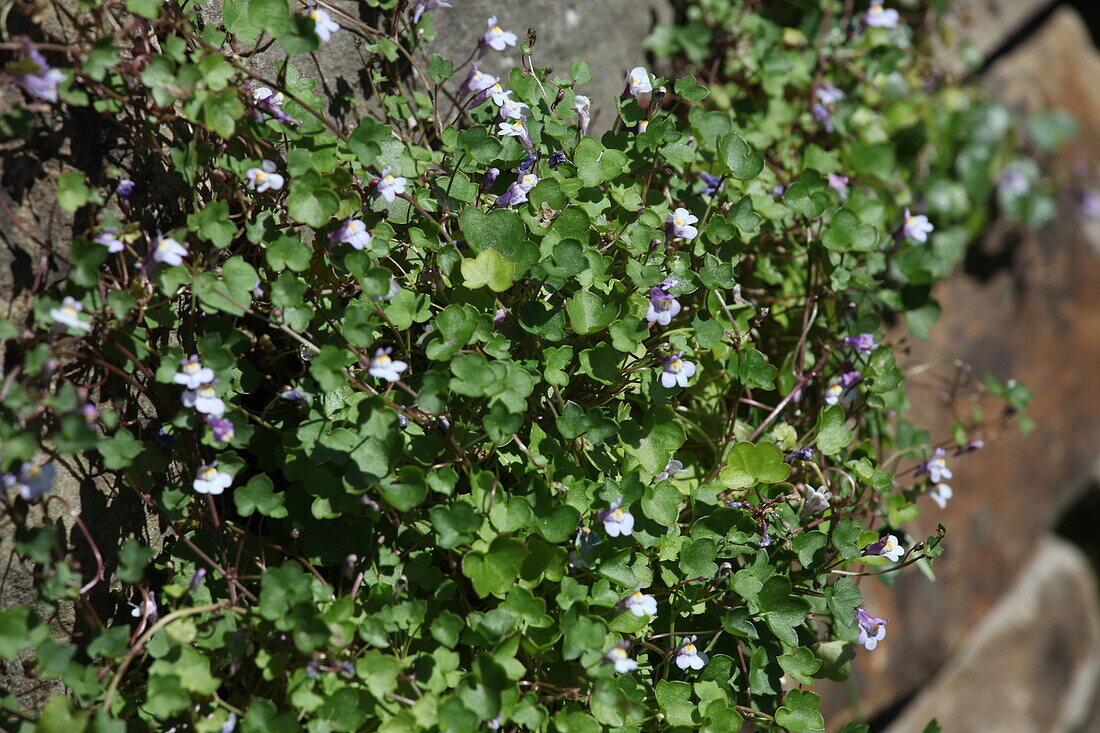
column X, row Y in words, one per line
column 383, row 367
column 816, row 500
column 192, row 373
column 917, row 226
column 828, row 94
column 872, row 629
column 643, row 125
column 496, row 38
column 389, row 185
column 891, row 548
column 109, row 240
column 676, row 371
column 509, row 108
column 672, row 468
column 680, row 222
column 940, row 493
column 618, row 657
column 145, row 607
column 168, row 251
column 209, row 480
column 324, row 26
column 265, row 178
column 617, row 522
column 639, row 604
column 34, row 479
column 353, row 232
column 512, row 129
column 259, row 94
column 205, row 400
column 638, row 81
column 879, row 17
column 68, row 315
column 583, row 106
column 688, row 655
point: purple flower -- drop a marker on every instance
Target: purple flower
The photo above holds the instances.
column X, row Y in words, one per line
column 940, row 493
column 822, row 114
column 712, row 184
column 489, row 179
column 517, row 192
column 192, row 373
column 828, row 95
column 1014, row 181
column 528, row 161
column 778, row 190
column 662, row 307
column 477, row 81
column 888, row 547
column 209, row 480
column 679, row 224
column 108, row 239
column 426, row 6
column 639, row 604
column 516, row 129
column 936, row 467
column 384, row 367
column 971, row 445
column 672, row 468
column 842, row 389
column 147, row 607
column 618, row 657
column 638, row 81
column 271, row 103
column 765, row 539
column 168, row 251
column 879, row 17
column 499, row 316
column 803, row 454
column 265, row 178
column 34, row 479
column 353, row 232
column 389, row 185
column 68, row 315
column 296, row 396
column 90, row 412
column 676, row 370
column 323, row 24
column 616, row 522
column 916, row 227
column 205, row 400
column 816, row 500
column 124, row 189
column 689, row 656
column 40, row 80
column 872, row 629
column 838, row 184
column 864, row 343
column 557, row 158
column 222, row 429
column 1090, row 204
column 510, row 109
column 497, row 38
column 583, row 106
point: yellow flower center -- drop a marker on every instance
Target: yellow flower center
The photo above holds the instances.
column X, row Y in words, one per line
column 388, row 179
column 638, row 596
column 383, row 360
column 260, row 176
column 191, row 367
column 163, row 244
column 676, row 365
column 618, row 653
column 618, row 514
column 689, row 649
column 209, row 473
column 529, row 180
column 911, row 219
column 206, row 392
column 496, row 29
column 677, row 221
column 34, row 470
column 68, row 310
column 315, row 15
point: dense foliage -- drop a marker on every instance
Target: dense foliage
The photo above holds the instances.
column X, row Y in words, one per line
column 467, row 415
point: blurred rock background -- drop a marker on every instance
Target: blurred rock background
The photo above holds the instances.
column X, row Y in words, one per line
column 1008, row 638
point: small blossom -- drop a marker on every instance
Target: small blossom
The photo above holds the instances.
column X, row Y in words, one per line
column 838, row 184
column 109, row 240
column 68, row 315
column 662, row 307
column 864, row 343
column 822, row 114
column 497, row 38
column 209, row 480
column 778, row 190
column 880, row 17
column 888, row 547
column 940, row 493
column 205, row 400
column 872, row 629
column 711, row 184
column 1090, row 204
column 689, row 656
column 517, row 192
column 40, row 80
column 490, row 178
column 168, row 251
column 353, row 232
column 765, row 539
column 669, row 283
column 192, row 373
column 529, row 160
column 816, row 500
column 90, row 412
column 426, row 6
column 196, row 580
column 499, row 316
column 223, row 429
column 557, row 158
column 936, row 467
column 639, row 604
column 509, row 108
column 583, row 106
column 617, row 522
column 916, row 227
column 145, row 607
column 477, row 81
column 971, row 445
column 638, row 81
column 265, row 178
column 390, row 186
column 679, row 224
column 230, row 723
column 619, row 657
column 676, row 370
column 34, row 479
column 270, row 103
column 1014, row 181
column 296, row 396
column 124, row 189
column 383, row 367
column 496, row 722
column 643, row 125
column 323, row 24
column 828, row 94
column 672, row 468
column 803, row 454
column 842, row 389
column 516, row 129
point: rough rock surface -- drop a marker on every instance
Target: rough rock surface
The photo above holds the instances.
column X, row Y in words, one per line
column 1033, row 663
column 1027, row 307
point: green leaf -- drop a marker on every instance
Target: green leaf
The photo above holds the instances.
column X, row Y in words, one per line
column 495, row 572
column 259, row 495
column 674, row 699
column 310, row 202
column 597, row 164
column 456, row 525
column 799, row 711
column 653, row 442
column 740, row 159
column 832, row 435
column 455, row 325
column 132, row 559
column 846, row 233
column 440, row 69
column 662, row 504
column 488, row 269
column 589, row 313
column 749, row 463
column 119, row 450
column 800, row 665
column 688, row 88
column 72, row 193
